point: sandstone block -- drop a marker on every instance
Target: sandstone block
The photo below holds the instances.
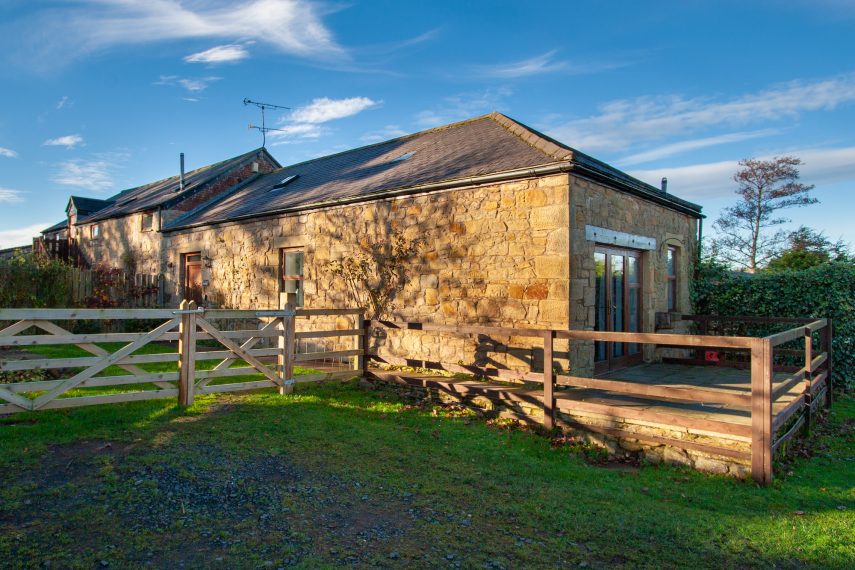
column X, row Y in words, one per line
column 551, row 267
column 550, row 217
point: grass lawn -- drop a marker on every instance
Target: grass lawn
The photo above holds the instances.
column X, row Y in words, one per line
column 338, row 475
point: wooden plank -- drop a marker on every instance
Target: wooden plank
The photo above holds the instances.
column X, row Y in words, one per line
column 818, row 382
column 734, row 342
column 287, row 347
column 649, row 438
column 785, row 386
column 235, row 335
column 747, row 319
column 329, row 334
column 109, row 399
column 236, row 387
column 818, row 361
column 19, row 401
column 790, row 433
column 309, row 356
column 51, row 339
column 793, row 407
column 359, row 344
column 480, row 371
column 548, row 381
column 327, row 312
column 568, row 404
column 786, row 336
column 458, row 329
column 221, row 354
column 238, row 351
column 83, row 314
column 104, row 363
column 320, row 377
column 667, row 391
column 186, row 354
column 808, row 335
column 16, row 328
column 96, row 382
column 85, row 361
column 761, row 426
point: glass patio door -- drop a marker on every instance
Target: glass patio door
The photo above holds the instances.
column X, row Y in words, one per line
column 618, row 308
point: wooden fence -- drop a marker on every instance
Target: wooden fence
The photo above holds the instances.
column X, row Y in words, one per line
column 767, row 430
column 236, row 354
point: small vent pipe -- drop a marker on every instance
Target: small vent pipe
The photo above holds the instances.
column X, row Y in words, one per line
column 181, row 180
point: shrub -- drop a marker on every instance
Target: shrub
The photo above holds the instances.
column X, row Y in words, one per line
column 827, row 290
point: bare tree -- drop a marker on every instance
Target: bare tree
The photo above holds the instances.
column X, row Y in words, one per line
column 764, row 186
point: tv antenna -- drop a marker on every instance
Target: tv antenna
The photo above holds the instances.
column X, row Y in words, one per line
column 263, row 128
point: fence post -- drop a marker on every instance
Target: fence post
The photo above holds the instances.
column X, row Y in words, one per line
column 828, row 338
column 287, row 343
column 186, row 353
column 808, row 378
column 360, row 362
column 548, row 381
column 761, row 410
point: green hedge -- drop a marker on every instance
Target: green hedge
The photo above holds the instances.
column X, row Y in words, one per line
column 32, row 281
column 827, row 290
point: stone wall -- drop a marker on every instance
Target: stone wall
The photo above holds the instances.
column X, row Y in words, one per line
column 493, row 255
column 595, row 204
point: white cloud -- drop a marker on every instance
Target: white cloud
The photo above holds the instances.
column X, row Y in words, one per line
column 464, row 106
column 625, row 123
column 7, row 195
column 715, row 179
column 695, row 144
column 307, row 122
column 325, row 109
column 387, row 132
column 68, row 141
column 219, row 54
column 62, row 103
column 86, row 26
column 92, row 175
column 21, row 236
column 191, row 84
column 539, row 65
column 8, row 152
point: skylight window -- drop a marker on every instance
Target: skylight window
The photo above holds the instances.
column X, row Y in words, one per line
column 403, row 157
column 285, row 181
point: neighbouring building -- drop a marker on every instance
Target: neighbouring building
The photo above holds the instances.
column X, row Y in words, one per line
column 519, row 230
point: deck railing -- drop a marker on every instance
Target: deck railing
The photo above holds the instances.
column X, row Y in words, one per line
column 201, row 335
column 759, row 401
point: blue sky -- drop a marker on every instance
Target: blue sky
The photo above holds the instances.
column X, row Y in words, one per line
column 101, row 95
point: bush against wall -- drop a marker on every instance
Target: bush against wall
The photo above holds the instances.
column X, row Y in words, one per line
column 826, row 290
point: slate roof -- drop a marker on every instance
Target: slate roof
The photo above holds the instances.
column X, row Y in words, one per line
column 56, row 227
column 166, row 191
column 86, row 206
column 490, row 144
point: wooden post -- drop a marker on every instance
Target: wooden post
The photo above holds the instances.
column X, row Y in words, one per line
column 761, row 410
column 548, row 381
column 359, row 362
column 808, row 378
column 287, row 343
column 186, row 353
column 828, row 336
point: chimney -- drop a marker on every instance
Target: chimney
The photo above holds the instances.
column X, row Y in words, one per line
column 664, row 184
column 181, row 180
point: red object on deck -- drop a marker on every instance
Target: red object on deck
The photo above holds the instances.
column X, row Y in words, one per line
column 711, row 356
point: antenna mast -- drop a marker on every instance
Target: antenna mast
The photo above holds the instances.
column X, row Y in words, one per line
column 263, row 128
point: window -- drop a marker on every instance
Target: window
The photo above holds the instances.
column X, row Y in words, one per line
column 94, row 231
column 671, row 272
column 147, row 223
column 291, row 272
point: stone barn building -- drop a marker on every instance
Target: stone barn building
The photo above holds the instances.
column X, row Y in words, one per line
column 517, row 230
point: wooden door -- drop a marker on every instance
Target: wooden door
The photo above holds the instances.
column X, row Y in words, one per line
column 618, row 308
column 193, row 277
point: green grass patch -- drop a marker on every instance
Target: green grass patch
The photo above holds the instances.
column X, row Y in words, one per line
column 336, row 475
